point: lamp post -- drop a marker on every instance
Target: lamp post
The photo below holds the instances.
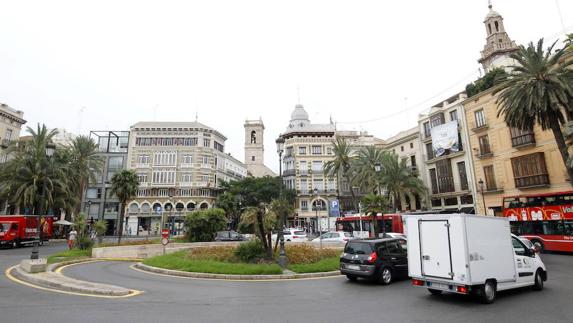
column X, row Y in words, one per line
column 378, row 169
column 170, row 218
column 482, row 197
column 50, row 150
column 282, row 253
column 317, row 220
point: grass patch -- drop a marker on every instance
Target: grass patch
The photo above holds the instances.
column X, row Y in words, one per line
column 180, row 261
column 73, row 254
column 129, row 243
column 324, row 265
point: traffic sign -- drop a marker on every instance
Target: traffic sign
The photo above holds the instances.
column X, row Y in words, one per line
column 164, row 241
column 165, row 233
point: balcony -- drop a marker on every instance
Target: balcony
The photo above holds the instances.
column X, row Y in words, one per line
column 142, row 165
column 480, row 128
column 186, row 165
column 523, row 141
column 144, row 184
column 532, row 181
column 302, row 192
column 185, row 184
column 303, row 172
column 207, row 166
column 289, row 172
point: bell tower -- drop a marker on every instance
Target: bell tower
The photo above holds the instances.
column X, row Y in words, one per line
column 498, row 45
column 254, row 148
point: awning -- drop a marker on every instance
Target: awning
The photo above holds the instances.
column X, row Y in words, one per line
column 63, row 222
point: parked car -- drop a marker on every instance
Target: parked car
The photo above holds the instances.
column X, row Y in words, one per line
column 393, row 235
column 295, row 235
column 379, row 260
column 229, row 236
column 334, row 236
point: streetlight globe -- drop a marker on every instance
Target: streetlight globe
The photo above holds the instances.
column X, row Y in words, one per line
column 377, row 167
column 50, row 149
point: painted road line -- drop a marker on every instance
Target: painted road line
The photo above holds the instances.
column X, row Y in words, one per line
column 8, row 274
column 232, row 280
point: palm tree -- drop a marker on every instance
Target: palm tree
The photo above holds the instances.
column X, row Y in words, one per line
column 30, row 179
column 124, row 185
column 86, row 163
column 374, row 204
column 263, row 219
column 539, row 90
column 365, row 175
column 340, row 165
column 399, row 180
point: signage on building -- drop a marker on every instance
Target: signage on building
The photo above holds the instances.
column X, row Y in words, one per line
column 445, row 138
column 334, row 208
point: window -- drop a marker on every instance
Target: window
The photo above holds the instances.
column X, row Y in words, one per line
column 437, row 119
column 252, row 158
column 317, row 167
column 205, row 160
column 463, row 175
column 303, row 205
column 142, row 177
column 521, row 137
column 187, row 159
column 411, row 145
column 430, row 151
column 530, row 170
column 401, row 148
column 93, row 193
column 304, row 186
column 218, row 146
column 413, row 161
column 303, row 168
column 434, row 181
column 143, row 159
column 480, row 119
column 8, row 134
column 163, row 176
column 489, row 178
column 331, row 185
column 518, row 247
column 453, row 115
column 484, row 148
column 253, row 137
column 186, row 177
column 329, row 150
column 317, row 150
column 318, row 184
column 445, row 178
column 165, row 158
column 302, row 150
column 427, row 131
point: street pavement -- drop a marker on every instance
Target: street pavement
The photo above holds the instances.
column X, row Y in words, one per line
column 172, row 299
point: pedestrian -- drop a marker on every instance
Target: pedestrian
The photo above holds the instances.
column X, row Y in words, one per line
column 72, row 238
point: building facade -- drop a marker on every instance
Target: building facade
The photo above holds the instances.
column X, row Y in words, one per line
column 498, row 46
column 98, row 202
column 180, row 166
column 407, row 146
column 11, row 123
column 448, row 171
column 255, row 149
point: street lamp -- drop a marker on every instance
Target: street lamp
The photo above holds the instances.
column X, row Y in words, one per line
column 282, row 253
column 50, row 150
column 378, row 169
column 317, row 220
column 172, row 228
column 482, row 197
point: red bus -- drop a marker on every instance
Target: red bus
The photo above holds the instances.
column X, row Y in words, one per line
column 360, row 226
column 545, row 219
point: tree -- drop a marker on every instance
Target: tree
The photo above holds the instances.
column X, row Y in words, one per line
column 204, row 224
column 100, row 227
column 30, row 179
column 341, row 164
column 80, row 224
column 124, row 185
column 539, row 90
column 398, row 180
column 374, row 204
column 282, row 208
column 264, row 220
column 486, row 82
column 230, row 204
column 363, row 166
column 85, row 164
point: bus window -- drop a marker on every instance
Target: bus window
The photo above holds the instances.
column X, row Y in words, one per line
column 553, row 227
column 536, row 201
column 514, row 202
column 568, row 227
column 532, row 227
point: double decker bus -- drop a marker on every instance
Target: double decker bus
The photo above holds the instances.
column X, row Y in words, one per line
column 361, row 226
column 545, row 219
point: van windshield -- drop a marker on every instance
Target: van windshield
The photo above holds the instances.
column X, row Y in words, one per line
column 362, row 248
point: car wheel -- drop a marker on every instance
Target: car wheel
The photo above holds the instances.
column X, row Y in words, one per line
column 435, row 291
column 488, row 292
column 386, row 276
column 538, row 280
column 352, row 278
column 539, row 245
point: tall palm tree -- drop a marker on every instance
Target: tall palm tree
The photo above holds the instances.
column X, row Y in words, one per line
column 363, row 167
column 29, row 179
column 374, row 204
column 124, row 185
column 86, row 163
column 539, row 90
column 340, row 165
column 398, row 180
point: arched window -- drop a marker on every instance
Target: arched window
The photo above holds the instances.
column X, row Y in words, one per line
column 204, row 206
column 145, row 208
column 133, row 208
column 253, row 137
column 157, row 207
column 319, row 205
column 190, row 206
column 179, row 207
column 496, row 26
column 489, row 28
column 168, row 207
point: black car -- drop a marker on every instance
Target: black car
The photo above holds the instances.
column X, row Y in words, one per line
column 380, row 260
column 229, row 236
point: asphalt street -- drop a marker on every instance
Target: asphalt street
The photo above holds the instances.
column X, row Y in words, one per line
column 171, row 299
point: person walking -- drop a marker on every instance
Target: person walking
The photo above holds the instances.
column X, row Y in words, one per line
column 72, row 238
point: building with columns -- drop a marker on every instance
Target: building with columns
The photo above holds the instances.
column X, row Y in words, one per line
column 180, row 166
column 255, row 149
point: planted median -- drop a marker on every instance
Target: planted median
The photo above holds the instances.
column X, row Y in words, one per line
column 247, row 259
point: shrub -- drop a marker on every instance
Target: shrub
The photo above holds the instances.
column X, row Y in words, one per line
column 226, row 254
column 202, row 225
column 305, row 254
column 251, row 251
column 85, row 243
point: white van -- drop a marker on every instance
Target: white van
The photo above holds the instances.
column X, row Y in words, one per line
column 466, row 254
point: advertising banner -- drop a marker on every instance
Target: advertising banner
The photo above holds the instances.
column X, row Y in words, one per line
column 445, row 138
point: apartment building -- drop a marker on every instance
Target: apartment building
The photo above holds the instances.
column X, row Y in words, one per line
column 11, row 122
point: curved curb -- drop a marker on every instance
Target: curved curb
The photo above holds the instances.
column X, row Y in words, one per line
column 186, row 274
column 53, row 280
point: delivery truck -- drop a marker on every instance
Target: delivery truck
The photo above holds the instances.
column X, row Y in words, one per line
column 19, row 230
column 468, row 254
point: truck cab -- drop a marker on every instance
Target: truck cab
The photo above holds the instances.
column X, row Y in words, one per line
column 9, row 233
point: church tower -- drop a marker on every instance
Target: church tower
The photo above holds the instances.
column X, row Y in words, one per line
column 254, row 149
column 498, row 45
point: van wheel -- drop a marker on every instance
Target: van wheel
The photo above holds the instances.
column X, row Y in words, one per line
column 538, row 280
column 386, row 276
column 352, row 278
column 488, row 292
column 435, row 291
column 539, row 245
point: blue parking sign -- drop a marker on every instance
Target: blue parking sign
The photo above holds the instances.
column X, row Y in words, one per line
column 334, row 208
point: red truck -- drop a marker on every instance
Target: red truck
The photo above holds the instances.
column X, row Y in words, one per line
column 18, row 230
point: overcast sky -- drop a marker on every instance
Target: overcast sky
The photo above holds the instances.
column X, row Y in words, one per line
column 130, row 61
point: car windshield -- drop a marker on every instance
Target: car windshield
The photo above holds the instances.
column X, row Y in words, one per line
column 299, row 233
column 358, row 248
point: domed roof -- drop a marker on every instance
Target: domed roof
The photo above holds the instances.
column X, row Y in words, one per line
column 299, row 113
column 492, row 13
